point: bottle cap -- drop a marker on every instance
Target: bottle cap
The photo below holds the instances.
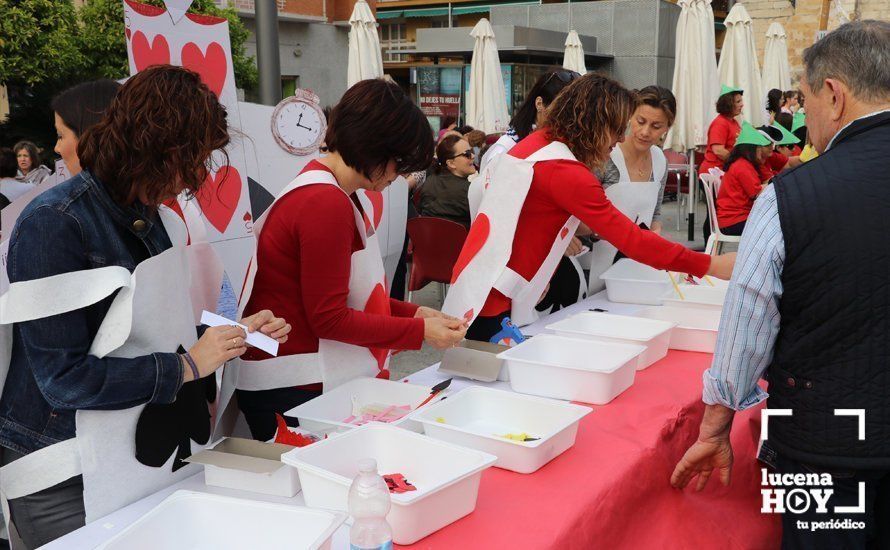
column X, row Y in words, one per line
column 367, row 465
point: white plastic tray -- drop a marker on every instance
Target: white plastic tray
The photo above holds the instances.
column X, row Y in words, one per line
column 700, row 296
column 446, row 476
column 190, row 520
column 476, row 416
column 630, row 282
column 604, row 327
column 572, row 368
column 696, row 328
column 325, row 413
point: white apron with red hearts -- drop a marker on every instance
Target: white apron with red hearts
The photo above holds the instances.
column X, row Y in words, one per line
column 482, row 264
column 636, row 200
column 156, row 310
column 335, row 362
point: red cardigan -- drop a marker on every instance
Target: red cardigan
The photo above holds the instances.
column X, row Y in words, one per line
column 304, row 255
column 563, row 188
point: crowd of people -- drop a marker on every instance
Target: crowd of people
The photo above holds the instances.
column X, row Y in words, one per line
column 581, row 153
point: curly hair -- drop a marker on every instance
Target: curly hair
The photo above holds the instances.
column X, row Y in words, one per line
column 32, row 152
column 588, row 115
column 156, row 137
column 375, row 122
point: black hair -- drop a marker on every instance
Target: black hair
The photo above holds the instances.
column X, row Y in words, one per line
column 84, row 105
column 445, row 152
column 447, row 121
column 464, row 130
column 355, row 129
column 8, row 165
column 774, row 101
column 726, row 102
column 742, row 151
column 786, row 120
column 801, row 134
column 547, row 87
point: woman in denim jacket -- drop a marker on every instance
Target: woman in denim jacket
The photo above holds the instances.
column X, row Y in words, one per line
column 152, row 144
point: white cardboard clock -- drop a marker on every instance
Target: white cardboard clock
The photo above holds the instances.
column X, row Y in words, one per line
column 299, row 124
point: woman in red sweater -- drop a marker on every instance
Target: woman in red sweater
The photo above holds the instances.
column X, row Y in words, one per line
column 747, row 173
column 584, row 123
column 317, row 259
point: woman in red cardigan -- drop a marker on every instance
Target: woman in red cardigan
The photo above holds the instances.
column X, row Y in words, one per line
column 318, row 260
column 584, row 123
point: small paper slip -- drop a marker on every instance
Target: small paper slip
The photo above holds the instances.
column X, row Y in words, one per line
column 255, row 339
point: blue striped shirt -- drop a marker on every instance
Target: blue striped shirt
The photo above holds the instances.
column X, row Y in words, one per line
column 750, row 320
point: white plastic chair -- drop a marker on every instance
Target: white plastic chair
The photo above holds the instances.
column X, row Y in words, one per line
column 711, row 182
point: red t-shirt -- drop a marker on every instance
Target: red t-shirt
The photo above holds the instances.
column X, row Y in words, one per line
column 795, row 151
column 562, row 188
column 741, row 185
column 303, row 257
column 723, row 131
column 774, row 164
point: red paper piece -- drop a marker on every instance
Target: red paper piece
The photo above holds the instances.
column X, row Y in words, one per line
column 219, row 196
column 211, row 65
column 476, row 238
column 284, row 435
column 398, row 484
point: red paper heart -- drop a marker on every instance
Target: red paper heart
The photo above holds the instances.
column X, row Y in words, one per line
column 468, row 316
column 127, row 32
column 145, row 55
column 211, row 66
column 476, row 238
column 564, row 232
column 219, row 196
column 378, row 303
column 173, row 205
column 376, row 198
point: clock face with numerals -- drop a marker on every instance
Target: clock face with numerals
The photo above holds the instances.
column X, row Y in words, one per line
column 298, row 125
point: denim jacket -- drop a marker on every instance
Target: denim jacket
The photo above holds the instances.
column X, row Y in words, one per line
column 72, row 227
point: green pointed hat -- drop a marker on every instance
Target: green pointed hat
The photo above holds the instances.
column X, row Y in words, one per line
column 751, row 136
column 787, row 137
column 730, row 90
column 799, row 121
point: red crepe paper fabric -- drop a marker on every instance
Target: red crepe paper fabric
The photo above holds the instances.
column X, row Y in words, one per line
column 612, row 489
column 284, row 435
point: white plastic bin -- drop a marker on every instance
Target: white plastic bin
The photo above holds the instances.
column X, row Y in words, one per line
column 696, row 328
column 325, row 413
column 572, row 368
column 604, row 327
column 630, row 282
column 476, row 418
column 446, row 476
column 189, row 520
column 700, row 296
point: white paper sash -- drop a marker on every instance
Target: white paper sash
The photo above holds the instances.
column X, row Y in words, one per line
column 505, row 183
column 335, row 362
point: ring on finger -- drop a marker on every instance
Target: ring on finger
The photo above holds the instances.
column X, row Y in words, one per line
column 234, row 343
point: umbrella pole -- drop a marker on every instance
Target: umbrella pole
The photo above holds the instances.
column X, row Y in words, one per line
column 692, row 188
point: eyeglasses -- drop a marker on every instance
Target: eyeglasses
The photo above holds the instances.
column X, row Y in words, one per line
column 565, row 76
column 468, row 154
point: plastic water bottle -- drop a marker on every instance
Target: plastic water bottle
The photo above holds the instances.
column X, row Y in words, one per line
column 368, row 505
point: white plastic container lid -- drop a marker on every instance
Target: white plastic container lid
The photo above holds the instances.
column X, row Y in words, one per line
column 573, row 353
column 595, row 323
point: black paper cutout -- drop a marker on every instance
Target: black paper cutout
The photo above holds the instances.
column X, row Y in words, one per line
column 165, row 429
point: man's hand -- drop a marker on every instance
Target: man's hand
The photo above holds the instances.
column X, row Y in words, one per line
column 712, row 452
column 702, row 459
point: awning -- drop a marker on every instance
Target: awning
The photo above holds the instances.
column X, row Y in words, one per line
column 389, row 14
column 471, row 9
column 427, row 12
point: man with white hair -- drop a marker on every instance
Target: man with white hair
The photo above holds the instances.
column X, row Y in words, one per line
column 808, row 307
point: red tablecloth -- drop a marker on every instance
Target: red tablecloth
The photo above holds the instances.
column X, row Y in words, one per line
column 612, row 491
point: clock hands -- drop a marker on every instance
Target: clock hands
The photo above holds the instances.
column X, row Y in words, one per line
column 300, row 119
